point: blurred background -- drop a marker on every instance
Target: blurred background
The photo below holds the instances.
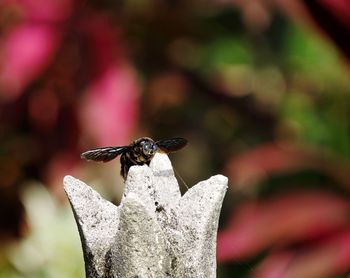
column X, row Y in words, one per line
column 260, row 89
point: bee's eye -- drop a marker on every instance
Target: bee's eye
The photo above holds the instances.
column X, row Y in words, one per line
column 149, row 148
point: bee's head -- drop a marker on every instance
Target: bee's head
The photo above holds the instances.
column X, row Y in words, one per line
column 148, row 147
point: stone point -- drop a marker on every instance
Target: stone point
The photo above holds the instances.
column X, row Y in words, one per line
column 154, row 232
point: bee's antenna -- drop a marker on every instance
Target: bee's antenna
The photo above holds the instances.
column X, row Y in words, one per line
column 179, row 176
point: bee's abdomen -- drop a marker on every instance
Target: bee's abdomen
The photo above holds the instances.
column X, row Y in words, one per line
column 129, row 159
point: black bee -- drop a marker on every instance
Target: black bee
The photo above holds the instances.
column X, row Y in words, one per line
column 139, row 152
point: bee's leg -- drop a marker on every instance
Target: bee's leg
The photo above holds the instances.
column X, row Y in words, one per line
column 124, row 166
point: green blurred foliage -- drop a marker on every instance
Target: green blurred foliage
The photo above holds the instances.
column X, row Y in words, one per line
column 317, row 105
column 52, row 247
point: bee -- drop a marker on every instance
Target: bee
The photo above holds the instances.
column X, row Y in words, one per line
column 139, row 152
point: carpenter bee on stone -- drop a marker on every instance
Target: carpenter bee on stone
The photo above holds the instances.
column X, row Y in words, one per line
column 139, row 152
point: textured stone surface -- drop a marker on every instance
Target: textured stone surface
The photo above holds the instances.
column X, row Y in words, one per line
column 97, row 221
column 154, row 232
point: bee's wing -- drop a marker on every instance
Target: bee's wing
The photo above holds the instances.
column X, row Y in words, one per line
column 103, row 154
column 171, row 145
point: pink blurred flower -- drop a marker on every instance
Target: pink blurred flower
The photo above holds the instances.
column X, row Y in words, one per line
column 28, row 48
column 109, row 108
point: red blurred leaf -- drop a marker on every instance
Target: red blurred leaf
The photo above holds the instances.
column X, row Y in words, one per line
column 288, row 218
column 328, row 258
column 43, row 98
column 340, row 9
column 254, row 165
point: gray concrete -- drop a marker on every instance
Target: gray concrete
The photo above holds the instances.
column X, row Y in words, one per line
column 154, row 232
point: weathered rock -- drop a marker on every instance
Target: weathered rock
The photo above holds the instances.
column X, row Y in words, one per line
column 154, row 232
